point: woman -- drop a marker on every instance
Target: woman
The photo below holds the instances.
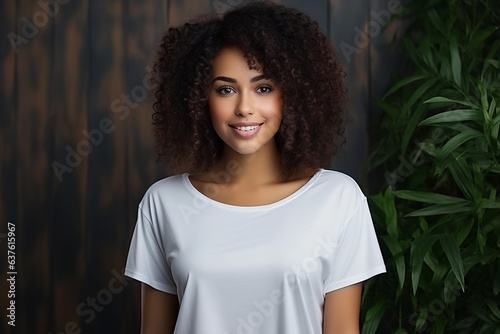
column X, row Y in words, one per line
column 252, row 235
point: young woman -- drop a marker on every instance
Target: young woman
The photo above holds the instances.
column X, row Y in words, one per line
column 251, row 235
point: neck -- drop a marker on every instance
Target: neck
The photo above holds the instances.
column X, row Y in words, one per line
column 261, row 167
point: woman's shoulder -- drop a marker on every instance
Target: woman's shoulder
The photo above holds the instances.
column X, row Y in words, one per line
column 339, row 180
column 167, row 184
column 165, row 188
column 339, row 187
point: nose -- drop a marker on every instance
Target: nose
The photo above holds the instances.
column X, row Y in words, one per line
column 244, row 106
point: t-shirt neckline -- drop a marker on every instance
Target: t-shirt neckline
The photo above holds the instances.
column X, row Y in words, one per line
column 191, row 188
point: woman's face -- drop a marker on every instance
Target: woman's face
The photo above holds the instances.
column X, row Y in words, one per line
column 245, row 106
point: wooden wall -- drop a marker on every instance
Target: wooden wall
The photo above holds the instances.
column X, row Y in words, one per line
column 72, row 98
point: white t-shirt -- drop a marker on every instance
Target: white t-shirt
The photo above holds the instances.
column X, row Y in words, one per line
column 254, row 269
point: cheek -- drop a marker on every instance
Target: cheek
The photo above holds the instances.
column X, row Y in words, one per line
column 218, row 109
column 274, row 109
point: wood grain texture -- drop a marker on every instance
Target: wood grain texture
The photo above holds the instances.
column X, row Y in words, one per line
column 77, row 94
column 346, row 19
column 146, row 24
column 34, row 134
column 69, row 103
column 8, row 152
column 107, row 180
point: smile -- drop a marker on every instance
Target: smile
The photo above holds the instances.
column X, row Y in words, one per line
column 246, row 131
column 247, row 128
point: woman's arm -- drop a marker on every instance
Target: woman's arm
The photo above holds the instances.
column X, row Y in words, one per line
column 159, row 311
column 341, row 312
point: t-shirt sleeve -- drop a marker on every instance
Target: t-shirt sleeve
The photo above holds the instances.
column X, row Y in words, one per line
column 358, row 255
column 146, row 260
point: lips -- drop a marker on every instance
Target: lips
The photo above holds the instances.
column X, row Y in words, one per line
column 246, row 130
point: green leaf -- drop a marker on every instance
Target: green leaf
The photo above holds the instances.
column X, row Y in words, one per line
column 392, row 244
column 495, row 129
column 484, row 100
column 456, row 63
column 417, row 114
column 436, row 21
column 456, row 141
column 391, row 216
column 493, row 307
column 463, row 178
column 397, row 253
column 428, row 197
column 425, row 49
column 459, row 115
column 401, row 331
column 410, row 127
column 493, row 50
column 489, row 204
column 480, row 37
column 419, row 249
column 440, row 209
column 413, row 52
column 375, row 309
column 404, row 82
column 439, row 269
column 492, row 58
column 496, row 283
column 392, row 111
column 422, row 319
column 481, row 240
column 464, row 231
column 452, row 252
column 445, row 69
column 373, row 317
column 495, row 63
column 452, row 289
column 428, row 148
column 441, row 99
column 438, row 326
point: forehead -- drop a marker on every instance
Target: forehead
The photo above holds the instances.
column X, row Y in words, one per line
column 231, row 62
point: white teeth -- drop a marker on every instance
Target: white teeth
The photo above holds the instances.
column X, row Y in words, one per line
column 247, row 128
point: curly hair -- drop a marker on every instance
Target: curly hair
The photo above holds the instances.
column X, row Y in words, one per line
column 290, row 49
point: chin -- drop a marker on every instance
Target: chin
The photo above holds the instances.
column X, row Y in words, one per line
column 245, row 151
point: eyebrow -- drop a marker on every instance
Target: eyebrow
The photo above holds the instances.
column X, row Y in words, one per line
column 254, row 79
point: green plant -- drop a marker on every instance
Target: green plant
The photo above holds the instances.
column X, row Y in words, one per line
column 438, row 211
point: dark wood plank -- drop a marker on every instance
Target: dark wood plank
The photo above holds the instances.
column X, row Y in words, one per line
column 181, row 11
column 317, row 10
column 346, row 20
column 145, row 26
column 382, row 53
column 34, row 173
column 8, row 157
column 106, row 214
column 69, row 98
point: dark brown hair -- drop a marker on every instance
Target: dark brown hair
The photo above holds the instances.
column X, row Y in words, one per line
column 291, row 50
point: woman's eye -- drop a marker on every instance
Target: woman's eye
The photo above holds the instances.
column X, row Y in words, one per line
column 225, row 90
column 264, row 89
